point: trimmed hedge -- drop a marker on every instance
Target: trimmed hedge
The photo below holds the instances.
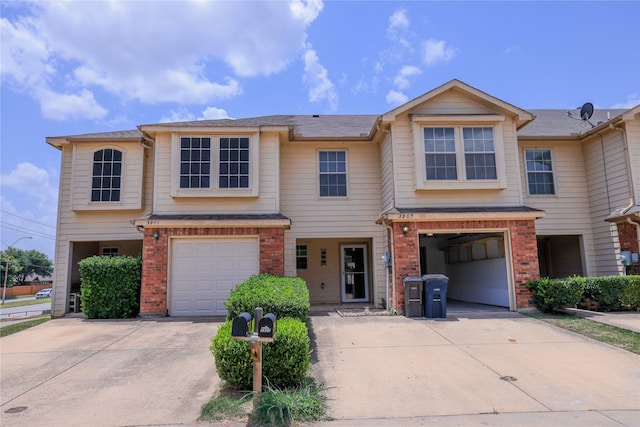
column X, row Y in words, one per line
column 551, row 294
column 110, row 286
column 630, row 294
column 282, row 296
column 611, row 292
column 285, row 361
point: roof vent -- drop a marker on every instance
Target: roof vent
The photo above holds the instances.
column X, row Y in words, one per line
column 316, row 115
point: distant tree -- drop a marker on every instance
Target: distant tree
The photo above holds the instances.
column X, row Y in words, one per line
column 14, row 268
column 31, row 262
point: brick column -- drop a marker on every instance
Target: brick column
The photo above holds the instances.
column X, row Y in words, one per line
column 153, row 293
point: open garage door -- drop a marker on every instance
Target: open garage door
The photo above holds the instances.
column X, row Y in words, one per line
column 474, row 262
column 204, row 271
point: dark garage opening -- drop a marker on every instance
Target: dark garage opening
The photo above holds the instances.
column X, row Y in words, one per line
column 474, row 262
column 559, row 256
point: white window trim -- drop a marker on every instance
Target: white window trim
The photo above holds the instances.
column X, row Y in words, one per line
column 553, row 171
column 462, row 183
column 100, row 204
column 346, row 164
column 214, row 191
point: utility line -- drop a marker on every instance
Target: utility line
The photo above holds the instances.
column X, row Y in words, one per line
column 27, row 219
column 27, row 230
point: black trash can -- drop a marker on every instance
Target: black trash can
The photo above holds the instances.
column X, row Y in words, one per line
column 435, row 295
column 413, row 289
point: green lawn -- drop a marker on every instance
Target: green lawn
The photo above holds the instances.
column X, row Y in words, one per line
column 22, row 302
column 21, row 326
column 622, row 338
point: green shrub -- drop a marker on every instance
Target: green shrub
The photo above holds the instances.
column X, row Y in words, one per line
column 110, row 286
column 282, row 296
column 630, row 294
column 285, row 361
column 606, row 290
column 551, row 294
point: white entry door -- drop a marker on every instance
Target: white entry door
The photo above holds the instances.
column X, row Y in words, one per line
column 355, row 273
column 204, row 271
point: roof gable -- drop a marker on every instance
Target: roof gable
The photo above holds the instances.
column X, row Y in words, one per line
column 485, row 103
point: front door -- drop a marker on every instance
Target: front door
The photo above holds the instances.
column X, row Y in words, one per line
column 355, row 276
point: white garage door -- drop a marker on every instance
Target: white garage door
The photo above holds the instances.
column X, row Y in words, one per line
column 204, row 271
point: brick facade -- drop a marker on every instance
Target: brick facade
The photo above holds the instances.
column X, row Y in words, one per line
column 628, row 237
column 155, row 264
column 524, row 253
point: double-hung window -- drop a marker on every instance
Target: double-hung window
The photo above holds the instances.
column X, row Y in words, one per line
column 459, row 152
column 107, row 175
column 215, row 166
column 195, row 162
column 441, row 148
column 332, row 167
column 539, row 172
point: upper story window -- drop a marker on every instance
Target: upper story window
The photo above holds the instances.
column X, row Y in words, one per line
column 332, row 167
column 459, row 152
column 446, row 148
column 215, row 163
column 539, row 172
column 195, row 162
column 107, row 175
column 234, row 163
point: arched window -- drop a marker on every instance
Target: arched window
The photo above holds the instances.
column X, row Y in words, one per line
column 107, row 175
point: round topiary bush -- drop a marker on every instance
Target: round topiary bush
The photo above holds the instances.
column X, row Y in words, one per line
column 285, row 361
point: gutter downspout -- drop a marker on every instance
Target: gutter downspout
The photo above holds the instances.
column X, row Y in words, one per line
column 632, row 190
column 393, row 270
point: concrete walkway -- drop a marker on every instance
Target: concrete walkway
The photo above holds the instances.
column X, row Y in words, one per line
column 493, row 368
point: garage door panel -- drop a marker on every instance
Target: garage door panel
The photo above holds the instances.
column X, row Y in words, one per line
column 204, row 271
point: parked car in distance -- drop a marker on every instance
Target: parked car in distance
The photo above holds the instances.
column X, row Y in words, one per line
column 44, row 293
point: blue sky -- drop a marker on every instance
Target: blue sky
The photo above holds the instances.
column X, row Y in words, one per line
column 79, row 67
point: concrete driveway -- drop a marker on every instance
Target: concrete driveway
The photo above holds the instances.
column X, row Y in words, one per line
column 76, row 372
column 468, row 369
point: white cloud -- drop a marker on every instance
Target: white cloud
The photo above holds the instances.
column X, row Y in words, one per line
column 402, row 78
column 184, row 115
column 396, row 98
column 398, row 21
column 632, row 101
column 61, row 106
column 34, row 184
column 190, row 52
column 437, row 52
column 320, row 86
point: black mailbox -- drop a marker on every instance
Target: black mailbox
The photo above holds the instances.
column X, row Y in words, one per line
column 267, row 326
column 240, row 326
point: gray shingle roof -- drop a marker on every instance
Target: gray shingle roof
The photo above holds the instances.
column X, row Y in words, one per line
column 304, row 126
column 552, row 123
column 548, row 123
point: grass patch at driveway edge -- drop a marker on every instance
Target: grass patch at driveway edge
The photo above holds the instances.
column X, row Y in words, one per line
column 612, row 335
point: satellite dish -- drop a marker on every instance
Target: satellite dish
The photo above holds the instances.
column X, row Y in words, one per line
column 586, row 111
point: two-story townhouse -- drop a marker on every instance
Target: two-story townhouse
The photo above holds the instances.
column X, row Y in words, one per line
column 454, row 182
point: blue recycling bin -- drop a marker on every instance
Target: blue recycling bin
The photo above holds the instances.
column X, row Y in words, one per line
column 435, row 295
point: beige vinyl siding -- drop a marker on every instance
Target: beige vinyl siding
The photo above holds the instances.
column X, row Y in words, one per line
column 132, row 170
column 88, row 226
column 386, row 173
column 405, row 174
column 633, row 145
column 349, row 217
column 265, row 202
column 567, row 211
column 608, row 189
column 452, row 102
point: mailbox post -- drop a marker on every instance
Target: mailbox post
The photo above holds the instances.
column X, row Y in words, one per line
column 264, row 330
